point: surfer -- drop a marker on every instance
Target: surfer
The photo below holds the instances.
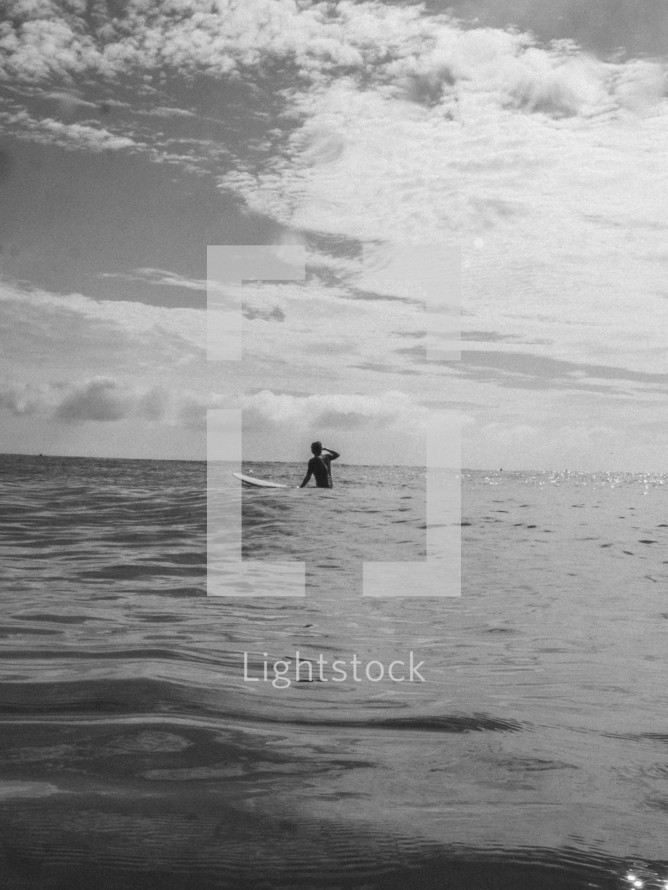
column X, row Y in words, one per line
column 319, row 466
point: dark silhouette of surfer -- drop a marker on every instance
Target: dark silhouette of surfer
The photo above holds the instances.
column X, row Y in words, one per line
column 319, row 466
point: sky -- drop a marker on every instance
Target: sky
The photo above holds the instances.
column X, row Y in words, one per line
column 528, row 139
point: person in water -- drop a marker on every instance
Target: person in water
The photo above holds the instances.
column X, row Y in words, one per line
column 319, row 466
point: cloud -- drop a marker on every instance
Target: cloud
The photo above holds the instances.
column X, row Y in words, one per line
column 158, row 277
column 366, row 164
column 388, row 427
column 43, row 39
column 43, row 317
column 105, row 400
column 392, row 44
column 468, row 78
column 99, row 399
column 74, row 359
column 336, row 411
column 71, row 136
column 608, row 27
column 22, row 400
column 379, row 122
column 69, row 102
column 518, row 369
column 526, row 160
column 164, row 111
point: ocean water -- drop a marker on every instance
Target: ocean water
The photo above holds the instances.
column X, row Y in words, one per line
column 141, row 747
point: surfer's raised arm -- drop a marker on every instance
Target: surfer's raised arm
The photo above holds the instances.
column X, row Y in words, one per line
column 334, row 454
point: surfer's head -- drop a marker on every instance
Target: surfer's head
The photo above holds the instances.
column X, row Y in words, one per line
column 316, row 448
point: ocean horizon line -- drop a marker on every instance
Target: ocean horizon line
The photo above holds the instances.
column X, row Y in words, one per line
column 491, row 470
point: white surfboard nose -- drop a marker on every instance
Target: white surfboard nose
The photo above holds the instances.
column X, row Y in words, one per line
column 258, row 483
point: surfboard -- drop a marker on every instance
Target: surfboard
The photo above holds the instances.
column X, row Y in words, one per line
column 258, row 483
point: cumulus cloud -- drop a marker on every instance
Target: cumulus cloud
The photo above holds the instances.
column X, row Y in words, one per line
column 336, row 410
column 43, row 39
column 388, row 426
column 466, row 77
column 105, row 400
column 108, row 361
column 428, row 55
column 536, row 160
column 99, row 399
